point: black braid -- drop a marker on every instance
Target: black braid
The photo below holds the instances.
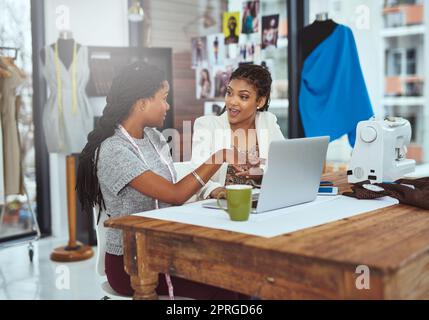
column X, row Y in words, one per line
column 136, row 81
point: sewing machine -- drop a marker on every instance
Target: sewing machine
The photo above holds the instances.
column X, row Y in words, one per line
column 380, row 151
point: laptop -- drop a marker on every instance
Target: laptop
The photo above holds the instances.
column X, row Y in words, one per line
column 292, row 175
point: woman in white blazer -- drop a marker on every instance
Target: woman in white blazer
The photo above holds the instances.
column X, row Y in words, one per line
column 245, row 125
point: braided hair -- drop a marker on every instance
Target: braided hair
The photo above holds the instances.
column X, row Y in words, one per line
column 257, row 76
column 134, row 82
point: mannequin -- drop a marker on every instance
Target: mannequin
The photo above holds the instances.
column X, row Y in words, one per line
column 311, row 36
column 318, row 31
column 65, row 48
column 333, row 94
column 66, row 116
column 323, row 16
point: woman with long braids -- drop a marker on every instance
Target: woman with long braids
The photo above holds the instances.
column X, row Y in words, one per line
column 126, row 168
column 245, row 125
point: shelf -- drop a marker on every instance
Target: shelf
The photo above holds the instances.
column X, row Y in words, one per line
column 404, row 101
column 403, row 31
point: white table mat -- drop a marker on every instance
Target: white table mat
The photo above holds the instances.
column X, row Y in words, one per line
column 275, row 223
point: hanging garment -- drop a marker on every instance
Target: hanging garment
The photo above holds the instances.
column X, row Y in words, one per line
column 333, row 95
column 12, row 173
column 67, row 116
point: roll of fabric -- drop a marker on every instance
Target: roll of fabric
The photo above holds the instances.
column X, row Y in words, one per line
column 407, row 191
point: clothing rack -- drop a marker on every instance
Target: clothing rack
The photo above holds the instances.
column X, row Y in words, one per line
column 27, row 236
column 33, row 216
column 11, row 49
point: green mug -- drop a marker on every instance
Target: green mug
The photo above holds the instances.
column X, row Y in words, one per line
column 239, row 201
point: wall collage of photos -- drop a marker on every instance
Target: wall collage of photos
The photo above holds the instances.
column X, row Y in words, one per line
column 252, row 32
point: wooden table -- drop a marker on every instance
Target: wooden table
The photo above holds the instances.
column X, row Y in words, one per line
column 316, row 263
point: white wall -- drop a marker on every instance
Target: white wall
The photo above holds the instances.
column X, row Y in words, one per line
column 93, row 23
column 174, row 22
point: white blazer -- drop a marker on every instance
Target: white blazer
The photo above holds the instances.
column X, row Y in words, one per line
column 213, row 133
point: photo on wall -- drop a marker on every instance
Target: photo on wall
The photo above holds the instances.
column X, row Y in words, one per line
column 232, row 53
column 204, row 87
column 221, row 79
column 270, row 30
column 231, row 27
column 249, row 52
column 248, row 48
column 199, row 51
column 250, row 19
column 216, row 49
column 214, row 108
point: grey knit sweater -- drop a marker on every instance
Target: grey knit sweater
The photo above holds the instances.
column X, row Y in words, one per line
column 118, row 164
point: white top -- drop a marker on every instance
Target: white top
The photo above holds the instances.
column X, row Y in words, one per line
column 213, row 133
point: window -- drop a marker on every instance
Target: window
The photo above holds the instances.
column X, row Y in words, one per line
column 411, row 62
column 402, row 13
column 401, row 62
column 394, row 63
column 15, row 31
column 394, row 19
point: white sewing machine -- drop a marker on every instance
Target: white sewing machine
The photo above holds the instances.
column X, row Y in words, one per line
column 380, row 151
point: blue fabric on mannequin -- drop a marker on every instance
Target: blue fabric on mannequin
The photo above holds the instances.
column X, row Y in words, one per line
column 333, row 95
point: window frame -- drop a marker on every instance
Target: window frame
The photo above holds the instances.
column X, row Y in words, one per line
column 43, row 189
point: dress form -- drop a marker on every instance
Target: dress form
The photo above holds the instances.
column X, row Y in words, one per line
column 65, row 49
